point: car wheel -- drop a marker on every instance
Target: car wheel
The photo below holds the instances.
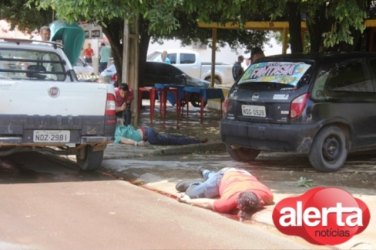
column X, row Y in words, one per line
column 329, row 149
column 242, row 154
column 195, row 100
column 88, row 159
column 216, row 80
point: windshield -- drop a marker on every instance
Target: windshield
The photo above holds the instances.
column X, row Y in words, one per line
column 284, row 73
column 19, row 64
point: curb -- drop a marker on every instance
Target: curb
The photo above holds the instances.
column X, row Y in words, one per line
column 121, row 151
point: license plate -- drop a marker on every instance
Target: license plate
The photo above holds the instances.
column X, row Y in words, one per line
column 51, row 136
column 253, row 110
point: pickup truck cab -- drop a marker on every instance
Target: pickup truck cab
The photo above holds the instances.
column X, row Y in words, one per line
column 190, row 62
column 43, row 107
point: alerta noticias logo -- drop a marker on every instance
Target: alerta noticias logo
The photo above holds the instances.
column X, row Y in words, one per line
column 322, row 216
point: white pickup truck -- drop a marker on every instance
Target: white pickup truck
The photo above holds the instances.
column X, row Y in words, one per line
column 44, row 107
column 190, row 62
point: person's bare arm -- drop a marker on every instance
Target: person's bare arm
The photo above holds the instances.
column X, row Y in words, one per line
column 127, row 141
column 200, row 202
column 121, row 108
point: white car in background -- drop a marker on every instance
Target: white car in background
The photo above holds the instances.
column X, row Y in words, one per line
column 191, row 64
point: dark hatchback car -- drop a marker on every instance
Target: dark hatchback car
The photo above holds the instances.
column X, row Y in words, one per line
column 321, row 105
column 158, row 72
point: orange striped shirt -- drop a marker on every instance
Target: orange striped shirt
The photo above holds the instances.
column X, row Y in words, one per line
column 235, row 182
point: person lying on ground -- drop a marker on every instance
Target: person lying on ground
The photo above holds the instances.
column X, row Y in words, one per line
column 227, row 191
column 132, row 136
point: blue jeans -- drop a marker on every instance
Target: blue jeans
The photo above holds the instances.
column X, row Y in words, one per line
column 102, row 66
column 209, row 188
column 127, row 116
column 155, row 138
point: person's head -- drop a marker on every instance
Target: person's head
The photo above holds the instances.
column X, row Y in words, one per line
column 89, row 45
column 240, row 59
column 124, row 89
column 45, row 33
column 256, row 53
column 247, row 203
column 103, row 44
column 164, row 55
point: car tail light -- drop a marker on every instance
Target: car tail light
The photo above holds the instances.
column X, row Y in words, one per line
column 226, row 106
column 298, row 105
column 110, row 109
column 114, row 78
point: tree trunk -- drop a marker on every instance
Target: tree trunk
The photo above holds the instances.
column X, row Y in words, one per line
column 316, row 26
column 294, row 27
column 143, row 48
column 115, row 35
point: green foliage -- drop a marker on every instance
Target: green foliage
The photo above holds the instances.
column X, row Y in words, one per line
column 161, row 17
column 334, row 21
column 347, row 15
column 90, row 10
column 25, row 16
column 304, row 182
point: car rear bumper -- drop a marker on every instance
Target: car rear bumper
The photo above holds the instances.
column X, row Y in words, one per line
column 19, row 129
column 269, row 137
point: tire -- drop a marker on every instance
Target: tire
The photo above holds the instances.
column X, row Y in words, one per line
column 242, row 154
column 195, row 100
column 88, row 159
column 216, row 80
column 329, row 149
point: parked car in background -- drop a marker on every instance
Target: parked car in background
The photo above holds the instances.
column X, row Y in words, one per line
column 320, row 105
column 156, row 72
column 190, row 62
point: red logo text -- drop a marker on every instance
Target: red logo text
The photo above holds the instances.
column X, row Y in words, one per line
column 322, row 215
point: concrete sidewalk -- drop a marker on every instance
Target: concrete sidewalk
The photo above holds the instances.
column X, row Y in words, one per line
column 210, row 129
column 366, row 240
column 120, row 151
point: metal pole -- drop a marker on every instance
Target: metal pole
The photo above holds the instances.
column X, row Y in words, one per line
column 285, row 41
column 125, row 52
column 214, row 48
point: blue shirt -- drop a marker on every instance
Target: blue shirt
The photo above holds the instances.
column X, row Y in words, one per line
column 128, row 132
column 105, row 54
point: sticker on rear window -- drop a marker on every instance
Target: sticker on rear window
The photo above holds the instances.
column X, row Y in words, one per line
column 280, row 97
column 288, row 73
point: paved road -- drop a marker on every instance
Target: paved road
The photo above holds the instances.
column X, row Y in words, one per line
column 287, row 175
column 46, row 203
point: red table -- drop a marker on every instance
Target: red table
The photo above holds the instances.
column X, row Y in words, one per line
column 205, row 94
column 152, row 95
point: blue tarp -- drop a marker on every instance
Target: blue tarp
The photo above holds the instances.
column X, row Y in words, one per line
column 72, row 36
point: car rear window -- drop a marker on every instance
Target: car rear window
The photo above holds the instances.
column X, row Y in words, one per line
column 284, row 73
column 22, row 64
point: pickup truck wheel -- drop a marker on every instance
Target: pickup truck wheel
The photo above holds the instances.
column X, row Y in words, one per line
column 195, row 100
column 329, row 149
column 88, row 159
column 242, row 154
